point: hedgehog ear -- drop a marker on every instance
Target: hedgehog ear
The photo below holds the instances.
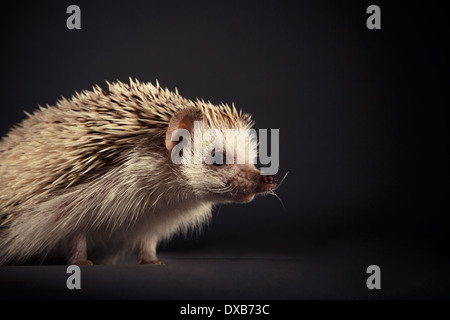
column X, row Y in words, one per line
column 183, row 119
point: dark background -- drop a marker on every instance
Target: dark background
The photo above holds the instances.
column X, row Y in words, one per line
column 361, row 113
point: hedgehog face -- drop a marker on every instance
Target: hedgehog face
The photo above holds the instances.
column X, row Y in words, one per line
column 217, row 163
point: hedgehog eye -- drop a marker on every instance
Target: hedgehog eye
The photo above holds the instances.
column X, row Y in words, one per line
column 219, row 158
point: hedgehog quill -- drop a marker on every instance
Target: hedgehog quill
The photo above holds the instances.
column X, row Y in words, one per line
column 94, row 177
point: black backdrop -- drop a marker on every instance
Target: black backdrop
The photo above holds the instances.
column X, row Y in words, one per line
column 361, row 113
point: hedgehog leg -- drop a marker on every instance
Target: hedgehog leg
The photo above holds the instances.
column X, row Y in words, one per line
column 147, row 251
column 77, row 251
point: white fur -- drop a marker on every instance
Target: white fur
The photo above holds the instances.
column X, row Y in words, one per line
column 118, row 210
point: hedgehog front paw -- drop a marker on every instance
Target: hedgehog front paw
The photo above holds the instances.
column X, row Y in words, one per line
column 83, row 263
column 156, row 262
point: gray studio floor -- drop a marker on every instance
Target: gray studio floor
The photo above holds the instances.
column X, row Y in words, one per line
column 336, row 271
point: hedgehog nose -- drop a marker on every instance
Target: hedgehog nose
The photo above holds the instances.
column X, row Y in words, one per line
column 268, row 183
column 269, row 179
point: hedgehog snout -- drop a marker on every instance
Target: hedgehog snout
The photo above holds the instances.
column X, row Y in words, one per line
column 250, row 180
column 268, row 183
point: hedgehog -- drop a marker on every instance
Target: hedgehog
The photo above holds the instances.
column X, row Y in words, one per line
column 94, row 177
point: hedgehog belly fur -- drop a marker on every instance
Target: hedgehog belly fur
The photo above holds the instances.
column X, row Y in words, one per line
column 114, row 212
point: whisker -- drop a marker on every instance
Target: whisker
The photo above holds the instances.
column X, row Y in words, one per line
column 279, row 199
column 279, row 185
column 221, row 190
